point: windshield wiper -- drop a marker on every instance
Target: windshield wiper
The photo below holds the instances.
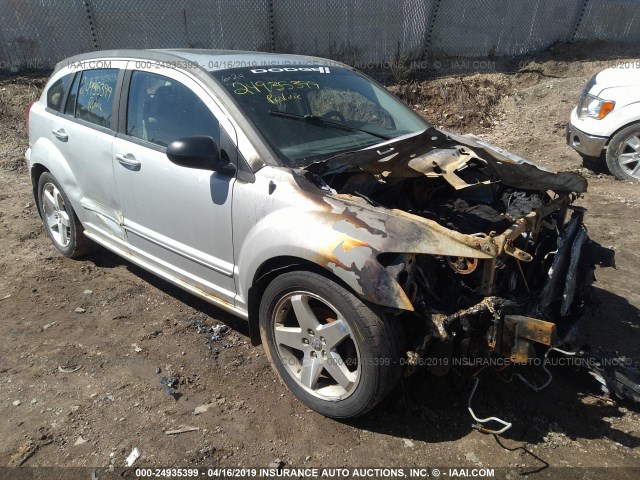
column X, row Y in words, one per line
column 321, row 121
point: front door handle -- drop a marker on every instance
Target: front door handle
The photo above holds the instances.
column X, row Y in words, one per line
column 60, row 134
column 128, row 160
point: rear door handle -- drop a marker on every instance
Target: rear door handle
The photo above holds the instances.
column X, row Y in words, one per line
column 60, row 134
column 128, row 160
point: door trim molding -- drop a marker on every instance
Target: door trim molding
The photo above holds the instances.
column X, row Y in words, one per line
column 118, row 246
column 184, row 251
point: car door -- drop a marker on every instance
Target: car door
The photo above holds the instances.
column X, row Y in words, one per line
column 177, row 219
column 83, row 131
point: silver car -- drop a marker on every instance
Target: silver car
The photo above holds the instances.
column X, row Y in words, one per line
column 358, row 241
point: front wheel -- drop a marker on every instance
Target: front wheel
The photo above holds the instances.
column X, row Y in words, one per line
column 623, row 154
column 336, row 354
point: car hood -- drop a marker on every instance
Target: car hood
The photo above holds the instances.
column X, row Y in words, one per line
column 437, row 153
column 625, row 75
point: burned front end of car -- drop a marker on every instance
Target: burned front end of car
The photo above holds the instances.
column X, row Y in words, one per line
column 530, row 294
column 490, row 251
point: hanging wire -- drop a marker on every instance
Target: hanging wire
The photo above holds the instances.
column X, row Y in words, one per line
column 534, row 387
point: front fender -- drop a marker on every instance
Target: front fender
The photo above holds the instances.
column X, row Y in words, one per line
column 345, row 236
column 313, row 239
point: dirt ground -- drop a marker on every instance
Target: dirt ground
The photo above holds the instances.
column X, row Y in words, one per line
column 121, row 326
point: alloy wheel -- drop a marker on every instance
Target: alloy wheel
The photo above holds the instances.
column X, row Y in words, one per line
column 629, row 156
column 55, row 215
column 316, row 345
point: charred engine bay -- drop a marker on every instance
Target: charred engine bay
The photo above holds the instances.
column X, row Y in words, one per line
column 442, row 287
column 485, row 206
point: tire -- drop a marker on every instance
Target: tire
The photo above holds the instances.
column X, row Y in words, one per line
column 623, row 154
column 60, row 221
column 337, row 355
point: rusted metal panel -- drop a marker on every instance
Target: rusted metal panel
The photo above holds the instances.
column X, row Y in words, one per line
column 518, row 333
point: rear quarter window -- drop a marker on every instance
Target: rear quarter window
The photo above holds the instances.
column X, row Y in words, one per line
column 56, row 92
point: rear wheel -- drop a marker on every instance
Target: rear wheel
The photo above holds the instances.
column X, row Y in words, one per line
column 336, row 354
column 60, row 221
column 623, row 154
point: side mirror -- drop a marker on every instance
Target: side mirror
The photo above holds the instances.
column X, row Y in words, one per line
column 197, row 152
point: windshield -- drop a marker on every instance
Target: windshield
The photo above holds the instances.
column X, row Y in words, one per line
column 308, row 113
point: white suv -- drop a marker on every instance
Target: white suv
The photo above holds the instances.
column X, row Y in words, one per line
column 608, row 116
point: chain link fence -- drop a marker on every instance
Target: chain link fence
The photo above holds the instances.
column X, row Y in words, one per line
column 38, row 34
column 612, row 20
column 237, row 25
column 357, row 32
column 500, row 27
column 364, row 33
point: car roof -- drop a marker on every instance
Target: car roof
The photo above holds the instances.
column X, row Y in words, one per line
column 210, row 60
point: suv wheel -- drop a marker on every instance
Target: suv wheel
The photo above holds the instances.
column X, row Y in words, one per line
column 336, row 354
column 623, row 154
column 60, row 221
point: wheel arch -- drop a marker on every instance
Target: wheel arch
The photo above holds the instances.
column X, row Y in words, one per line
column 37, row 169
column 626, row 125
column 613, row 147
column 45, row 157
column 267, row 272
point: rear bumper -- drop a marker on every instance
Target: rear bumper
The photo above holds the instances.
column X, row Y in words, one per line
column 588, row 145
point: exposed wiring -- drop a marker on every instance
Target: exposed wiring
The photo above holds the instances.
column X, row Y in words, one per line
column 524, row 279
column 536, row 388
column 482, row 421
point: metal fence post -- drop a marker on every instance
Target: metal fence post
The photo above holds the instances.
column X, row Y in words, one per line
column 579, row 20
column 272, row 29
column 5, row 55
column 429, row 29
column 92, row 27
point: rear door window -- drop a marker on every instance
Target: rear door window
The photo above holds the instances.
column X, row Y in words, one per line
column 95, row 96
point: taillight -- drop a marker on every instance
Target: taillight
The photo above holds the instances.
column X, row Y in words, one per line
column 27, row 114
